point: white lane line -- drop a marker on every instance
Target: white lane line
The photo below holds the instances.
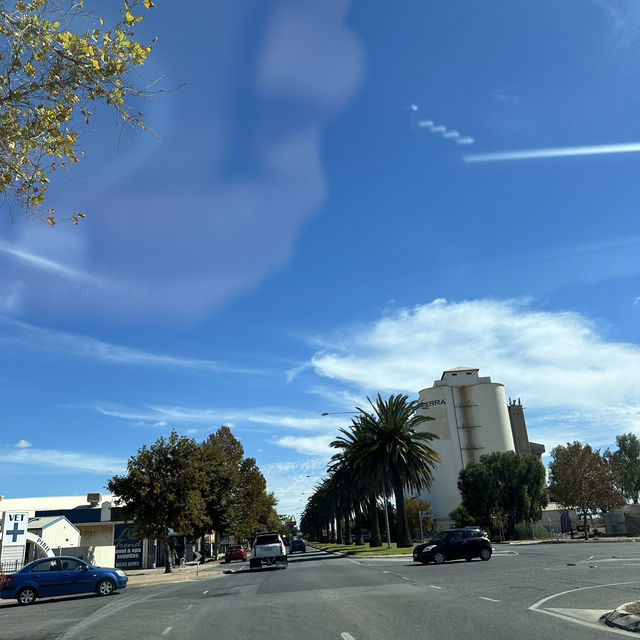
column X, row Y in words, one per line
column 204, row 593
column 386, row 572
column 489, row 599
column 355, row 562
column 433, row 586
column 346, row 636
column 584, row 623
column 189, row 607
column 589, row 558
column 164, row 633
column 405, row 578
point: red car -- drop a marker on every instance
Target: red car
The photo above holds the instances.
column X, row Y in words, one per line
column 235, row 552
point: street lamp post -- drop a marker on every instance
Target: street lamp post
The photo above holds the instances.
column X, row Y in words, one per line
column 386, row 519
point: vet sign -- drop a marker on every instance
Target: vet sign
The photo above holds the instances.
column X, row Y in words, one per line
column 14, row 528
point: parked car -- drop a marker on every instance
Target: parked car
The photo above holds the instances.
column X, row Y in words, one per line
column 235, row 552
column 297, row 544
column 61, row 576
column 454, row 545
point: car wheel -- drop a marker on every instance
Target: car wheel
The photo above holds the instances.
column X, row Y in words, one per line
column 485, row 554
column 438, row 558
column 26, row 596
column 105, row 587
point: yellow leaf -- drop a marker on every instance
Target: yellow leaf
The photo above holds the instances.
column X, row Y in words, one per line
column 101, row 21
column 149, row 4
column 95, row 63
column 51, row 221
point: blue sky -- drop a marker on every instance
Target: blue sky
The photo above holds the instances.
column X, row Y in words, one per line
column 319, row 214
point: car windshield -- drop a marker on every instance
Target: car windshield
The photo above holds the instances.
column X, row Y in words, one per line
column 329, row 279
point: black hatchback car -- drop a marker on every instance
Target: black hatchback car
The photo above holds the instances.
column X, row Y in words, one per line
column 454, row 545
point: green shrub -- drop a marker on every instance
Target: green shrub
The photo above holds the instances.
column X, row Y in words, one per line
column 525, row 529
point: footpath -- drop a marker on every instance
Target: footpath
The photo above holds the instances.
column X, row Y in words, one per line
column 213, row 569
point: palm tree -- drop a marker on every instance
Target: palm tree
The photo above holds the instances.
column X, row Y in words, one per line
column 392, row 454
column 365, row 486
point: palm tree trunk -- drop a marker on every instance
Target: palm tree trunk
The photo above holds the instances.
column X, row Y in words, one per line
column 358, row 518
column 376, row 540
column 347, row 527
column 332, row 537
column 339, row 539
column 404, row 537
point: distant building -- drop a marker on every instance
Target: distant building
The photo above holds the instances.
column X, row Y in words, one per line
column 471, row 417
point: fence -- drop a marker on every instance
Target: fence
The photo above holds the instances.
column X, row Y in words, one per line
column 9, row 566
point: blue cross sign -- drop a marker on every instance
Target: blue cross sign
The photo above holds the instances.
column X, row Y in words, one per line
column 14, row 528
column 15, row 532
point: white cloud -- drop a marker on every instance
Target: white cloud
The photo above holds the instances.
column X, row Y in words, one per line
column 464, row 141
column 555, row 152
column 452, row 133
column 78, row 345
column 63, row 460
column 425, row 123
column 309, row 445
column 438, row 128
column 557, row 362
column 160, row 423
column 282, row 417
column 51, row 266
column 299, row 466
column 637, row 301
column 23, row 444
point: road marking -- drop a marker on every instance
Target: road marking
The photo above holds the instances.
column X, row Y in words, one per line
column 584, row 623
column 589, row 558
column 189, row 607
column 385, row 572
column 105, row 612
column 433, row 586
column 346, row 636
column 489, row 599
column 355, row 562
column 403, row 577
column 204, row 593
column 164, row 633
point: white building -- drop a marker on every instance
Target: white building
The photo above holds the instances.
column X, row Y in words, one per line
column 471, row 418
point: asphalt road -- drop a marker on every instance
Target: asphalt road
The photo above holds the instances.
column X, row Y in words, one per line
column 528, row 591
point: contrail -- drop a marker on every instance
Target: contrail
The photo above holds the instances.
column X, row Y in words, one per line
column 559, row 152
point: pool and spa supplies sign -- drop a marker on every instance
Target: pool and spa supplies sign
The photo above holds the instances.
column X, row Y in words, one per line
column 128, row 547
column 14, row 528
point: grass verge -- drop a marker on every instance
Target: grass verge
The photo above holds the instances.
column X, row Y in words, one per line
column 355, row 550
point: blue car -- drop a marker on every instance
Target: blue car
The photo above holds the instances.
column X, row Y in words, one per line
column 60, row 576
column 297, row 544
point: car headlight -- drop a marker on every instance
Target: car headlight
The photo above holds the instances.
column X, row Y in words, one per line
column 429, row 547
column 121, row 573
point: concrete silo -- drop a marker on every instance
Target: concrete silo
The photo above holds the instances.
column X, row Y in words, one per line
column 470, row 417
